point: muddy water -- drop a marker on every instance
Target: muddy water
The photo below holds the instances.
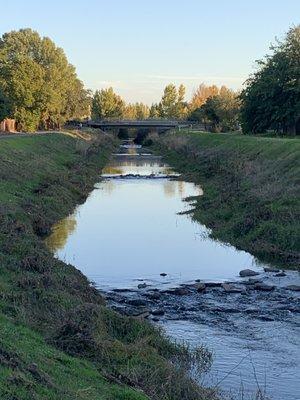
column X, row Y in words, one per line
column 129, row 231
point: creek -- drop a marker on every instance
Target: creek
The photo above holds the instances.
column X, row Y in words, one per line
column 131, row 229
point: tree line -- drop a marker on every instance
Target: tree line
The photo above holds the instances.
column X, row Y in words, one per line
column 39, row 88
column 213, row 106
column 270, row 100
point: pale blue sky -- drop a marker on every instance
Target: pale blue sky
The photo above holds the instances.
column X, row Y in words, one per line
column 138, row 46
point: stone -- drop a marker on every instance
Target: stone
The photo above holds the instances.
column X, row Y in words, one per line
column 153, row 296
column 213, row 284
column 266, row 318
column 158, row 311
column 181, row 291
column 229, row 288
column 163, row 274
column 137, row 302
column 142, row 285
column 200, row 287
column 144, row 314
column 294, row 288
column 248, row 272
column 263, row 287
column 271, row 269
column 252, row 281
column 280, row 274
column 155, row 319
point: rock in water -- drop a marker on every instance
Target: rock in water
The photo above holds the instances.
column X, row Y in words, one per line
column 294, row 288
column 270, row 269
column 163, row 274
column 158, row 311
column 229, row 288
column 181, row 291
column 280, row 274
column 200, row 287
column 264, row 287
column 142, row 285
column 248, row 272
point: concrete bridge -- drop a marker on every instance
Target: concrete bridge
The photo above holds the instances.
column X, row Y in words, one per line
column 160, row 124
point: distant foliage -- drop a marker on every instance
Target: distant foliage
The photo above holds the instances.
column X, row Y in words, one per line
column 220, row 111
column 136, row 111
column 271, row 99
column 38, row 86
column 201, row 94
column 172, row 104
column 107, row 104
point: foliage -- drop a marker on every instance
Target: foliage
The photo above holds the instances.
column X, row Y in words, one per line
column 107, row 104
column 220, row 111
column 201, row 95
column 138, row 111
column 271, row 99
column 5, row 106
column 172, row 104
column 40, row 86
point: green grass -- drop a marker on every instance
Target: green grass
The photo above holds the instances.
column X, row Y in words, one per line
column 50, row 314
column 31, row 369
column 251, row 189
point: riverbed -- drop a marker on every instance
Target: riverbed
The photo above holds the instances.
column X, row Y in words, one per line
column 134, row 239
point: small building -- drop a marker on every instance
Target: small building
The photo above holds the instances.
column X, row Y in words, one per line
column 8, row 125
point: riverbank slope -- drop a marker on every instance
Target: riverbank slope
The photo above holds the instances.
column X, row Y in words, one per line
column 58, row 340
column 251, row 189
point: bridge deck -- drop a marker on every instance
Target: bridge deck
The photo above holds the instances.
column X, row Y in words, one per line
column 137, row 124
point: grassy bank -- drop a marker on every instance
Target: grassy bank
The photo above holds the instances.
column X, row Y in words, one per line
column 57, row 338
column 251, row 189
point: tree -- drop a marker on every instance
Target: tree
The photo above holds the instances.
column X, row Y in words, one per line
column 107, row 104
column 221, row 111
column 172, row 103
column 201, row 94
column 38, row 82
column 181, row 106
column 5, row 106
column 271, row 99
column 142, row 111
column 168, row 102
column 154, row 111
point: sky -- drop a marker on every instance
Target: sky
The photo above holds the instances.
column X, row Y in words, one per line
column 139, row 46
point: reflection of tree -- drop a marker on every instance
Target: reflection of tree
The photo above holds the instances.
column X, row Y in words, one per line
column 169, row 188
column 111, row 170
column 60, row 233
column 181, row 188
column 108, row 186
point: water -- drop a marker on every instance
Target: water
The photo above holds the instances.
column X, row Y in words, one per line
column 129, row 229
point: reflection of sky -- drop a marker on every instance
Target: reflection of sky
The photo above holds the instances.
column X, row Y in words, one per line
column 130, row 229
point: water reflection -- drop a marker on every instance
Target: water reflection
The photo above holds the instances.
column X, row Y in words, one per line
column 60, row 233
column 130, row 229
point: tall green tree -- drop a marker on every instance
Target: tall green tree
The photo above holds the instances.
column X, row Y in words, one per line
column 172, row 103
column 154, row 111
column 271, row 99
column 168, row 101
column 38, row 81
column 107, row 104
